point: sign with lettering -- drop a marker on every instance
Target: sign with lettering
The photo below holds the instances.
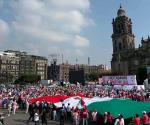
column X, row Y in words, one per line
column 120, row 80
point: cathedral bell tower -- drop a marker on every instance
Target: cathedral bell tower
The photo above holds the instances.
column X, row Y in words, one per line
column 122, row 40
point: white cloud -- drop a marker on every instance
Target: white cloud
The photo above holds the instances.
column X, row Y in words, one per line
column 73, row 20
column 69, row 4
column 46, row 18
column 40, row 24
column 4, row 30
column 43, row 34
column 78, row 52
column 81, row 41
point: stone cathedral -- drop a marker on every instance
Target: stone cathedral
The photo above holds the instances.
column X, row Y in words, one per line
column 126, row 59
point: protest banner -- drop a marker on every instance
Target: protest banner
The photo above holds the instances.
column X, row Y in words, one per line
column 120, row 80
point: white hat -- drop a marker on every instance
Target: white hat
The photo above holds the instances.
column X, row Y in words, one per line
column 144, row 112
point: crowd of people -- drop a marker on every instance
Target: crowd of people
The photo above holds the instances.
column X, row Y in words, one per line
column 12, row 98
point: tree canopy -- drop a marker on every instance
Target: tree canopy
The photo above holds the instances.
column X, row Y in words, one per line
column 28, row 78
column 141, row 74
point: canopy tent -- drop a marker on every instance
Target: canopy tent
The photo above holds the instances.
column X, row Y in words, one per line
column 126, row 107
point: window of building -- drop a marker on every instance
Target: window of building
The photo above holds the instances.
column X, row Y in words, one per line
column 120, row 46
column 122, row 28
column 115, row 48
column 115, row 45
column 124, row 45
column 130, row 45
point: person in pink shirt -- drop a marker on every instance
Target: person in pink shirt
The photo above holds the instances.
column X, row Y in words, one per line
column 75, row 115
column 136, row 120
column 145, row 118
column 14, row 106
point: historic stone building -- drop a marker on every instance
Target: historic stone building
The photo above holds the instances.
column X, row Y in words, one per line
column 58, row 72
column 61, row 71
column 126, row 59
column 9, row 67
column 16, row 64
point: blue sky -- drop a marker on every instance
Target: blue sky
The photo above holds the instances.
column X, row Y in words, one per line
column 77, row 29
column 102, row 13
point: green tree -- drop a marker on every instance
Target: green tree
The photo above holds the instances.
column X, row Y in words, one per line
column 28, row 78
column 93, row 76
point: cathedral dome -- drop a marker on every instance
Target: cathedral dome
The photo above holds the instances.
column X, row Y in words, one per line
column 121, row 12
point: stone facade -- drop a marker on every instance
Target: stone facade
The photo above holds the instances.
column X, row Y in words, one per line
column 126, row 59
column 9, row 66
column 61, row 71
column 64, row 72
column 58, row 72
column 41, row 66
column 18, row 63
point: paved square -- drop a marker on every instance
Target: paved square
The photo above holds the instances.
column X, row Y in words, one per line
column 20, row 118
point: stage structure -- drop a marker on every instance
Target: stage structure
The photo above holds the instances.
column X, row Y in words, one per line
column 76, row 74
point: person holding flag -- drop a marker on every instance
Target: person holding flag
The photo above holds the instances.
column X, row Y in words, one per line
column 82, row 103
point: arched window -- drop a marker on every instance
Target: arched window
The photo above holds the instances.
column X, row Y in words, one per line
column 119, row 27
column 122, row 28
column 120, row 46
column 131, row 45
column 124, row 45
column 115, row 47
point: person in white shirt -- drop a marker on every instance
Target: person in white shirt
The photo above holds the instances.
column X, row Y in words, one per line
column 54, row 115
column 94, row 117
column 36, row 118
column 9, row 108
column 1, row 119
column 68, row 112
column 27, row 106
column 119, row 120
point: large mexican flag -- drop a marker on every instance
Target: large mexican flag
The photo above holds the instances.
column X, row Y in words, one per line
column 126, row 107
column 75, row 101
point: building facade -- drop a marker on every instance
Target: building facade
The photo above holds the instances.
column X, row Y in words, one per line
column 41, row 66
column 16, row 64
column 126, row 59
column 58, row 72
column 53, row 72
column 27, row 65
column 64, row 72
column 9, row 66
column 61, row 71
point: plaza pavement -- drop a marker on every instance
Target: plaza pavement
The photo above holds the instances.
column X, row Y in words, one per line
column 20, row 118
